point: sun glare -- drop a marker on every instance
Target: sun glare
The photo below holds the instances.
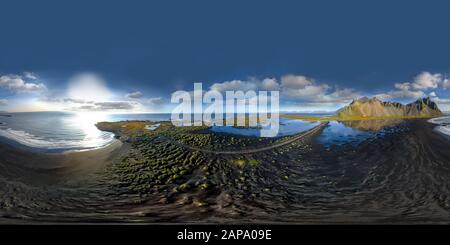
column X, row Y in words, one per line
column 87, row 121
column 88, row 87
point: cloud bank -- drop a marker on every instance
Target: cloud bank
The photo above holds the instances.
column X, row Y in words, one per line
column 3, row 102
column 19, row 84
column 419, row 87
column 293, row 89
column 134, row 95
column 90, row 92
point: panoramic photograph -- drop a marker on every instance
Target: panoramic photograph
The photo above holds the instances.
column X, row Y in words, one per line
column 224, row 112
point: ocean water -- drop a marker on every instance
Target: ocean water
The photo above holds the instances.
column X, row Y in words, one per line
column 63, row 131
column 443, row 124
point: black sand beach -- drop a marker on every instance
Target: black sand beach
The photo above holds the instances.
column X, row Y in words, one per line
column 402, row 177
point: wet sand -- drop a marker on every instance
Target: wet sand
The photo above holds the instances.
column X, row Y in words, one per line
column 16, row 162
column 38, row 184
column 400, row 177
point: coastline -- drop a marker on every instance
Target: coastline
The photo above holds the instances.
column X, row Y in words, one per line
column 376, row 181
column 17, row 144
column 83, row 161
column 19, row 162
column 89, row 161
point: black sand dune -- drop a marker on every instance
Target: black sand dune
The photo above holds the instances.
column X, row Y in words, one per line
column 402, row 177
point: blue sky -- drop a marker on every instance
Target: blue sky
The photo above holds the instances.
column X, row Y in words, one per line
column 320, row 54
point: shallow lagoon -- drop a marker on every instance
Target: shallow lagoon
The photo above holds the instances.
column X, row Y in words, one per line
column 336, row 133
column 355, row 132
column 287, row 127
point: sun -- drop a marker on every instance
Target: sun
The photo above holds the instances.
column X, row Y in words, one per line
column 88, row 87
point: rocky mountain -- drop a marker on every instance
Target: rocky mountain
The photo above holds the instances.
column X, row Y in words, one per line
column 366, row 108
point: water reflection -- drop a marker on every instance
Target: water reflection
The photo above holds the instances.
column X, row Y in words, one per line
column 355, row 132
column 372, row 125
column 287, row 127
column 85, row 121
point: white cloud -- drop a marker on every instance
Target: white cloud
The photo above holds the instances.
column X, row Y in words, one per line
column 446, row 83
column 415, row 89
column 418, row 87
column 296, row 82
column 134, row 95
column 234, row 86
column 301, row 88
column 85, row 108
column 115, row 105
column 3, row 102
column 426, row 80
column 107, row 106
column 30, row 75
column 270, row 84
column 77, row 101
column 440, row 101
column 155, row 101
column 18, row 84
column 309, row 92
column 403, row 86
column 294, row 88
column 340, row 96
column 443, row 104
column 401, row 94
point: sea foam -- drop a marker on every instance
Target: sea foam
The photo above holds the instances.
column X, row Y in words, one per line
column 34, row 141
column 443, row 124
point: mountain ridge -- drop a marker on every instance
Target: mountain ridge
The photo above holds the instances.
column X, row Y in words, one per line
column 375, row 108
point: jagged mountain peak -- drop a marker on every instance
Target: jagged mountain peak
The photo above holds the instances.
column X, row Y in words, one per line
column 374, row 107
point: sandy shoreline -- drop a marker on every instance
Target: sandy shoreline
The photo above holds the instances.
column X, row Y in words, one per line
column 83, row 162
column 21, row 163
